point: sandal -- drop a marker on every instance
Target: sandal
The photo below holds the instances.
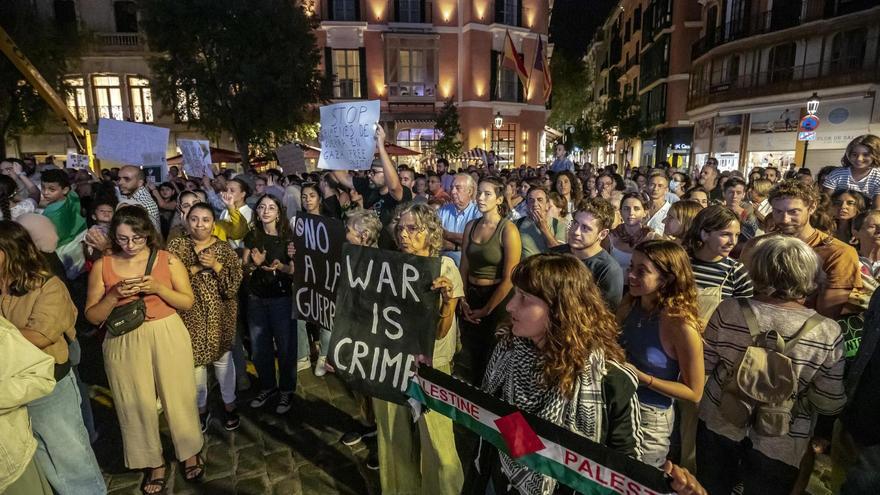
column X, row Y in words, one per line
column 196, row 471
column 150, row 482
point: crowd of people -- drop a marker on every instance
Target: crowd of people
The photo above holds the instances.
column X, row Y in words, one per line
column 721, row 328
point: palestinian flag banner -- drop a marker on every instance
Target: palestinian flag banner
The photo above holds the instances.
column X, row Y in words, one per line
column 584, row 465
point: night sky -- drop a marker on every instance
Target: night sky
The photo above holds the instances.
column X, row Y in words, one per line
column 574, row 22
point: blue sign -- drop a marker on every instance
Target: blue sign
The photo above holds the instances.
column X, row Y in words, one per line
column 808, row 123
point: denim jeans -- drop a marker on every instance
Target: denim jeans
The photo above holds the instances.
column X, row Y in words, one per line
column 656, row 425
column 302, row 338
column 272, row 329
column 63, row 451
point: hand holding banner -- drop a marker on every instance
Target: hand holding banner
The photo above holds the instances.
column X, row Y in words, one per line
column 348, row 135
column 318, row 241
column 196, row 157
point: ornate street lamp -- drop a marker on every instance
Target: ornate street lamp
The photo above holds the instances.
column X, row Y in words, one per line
column 813, row 104
column 499, row 120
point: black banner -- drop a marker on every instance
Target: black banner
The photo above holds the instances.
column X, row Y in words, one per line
column 387, row 317
column 318, row 241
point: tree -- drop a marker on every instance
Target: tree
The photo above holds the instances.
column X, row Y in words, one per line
column 251, row 66
column 50, row 49
column 572, row 100
column 449, row 145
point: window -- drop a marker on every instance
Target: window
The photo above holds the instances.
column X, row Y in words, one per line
column 65, row 15
column 848, row 50
column 344, row 10
column 781, row 66
column 125, row 13
column 422, row 140
column 186, row 105
column 504, row 145
column 141, row 99
column 346, row 70
column 108, row 97
column 505, row 82
column 409, row 11
column 507, row 12
column 76, row 98
column 411, row 66
column 637, row 19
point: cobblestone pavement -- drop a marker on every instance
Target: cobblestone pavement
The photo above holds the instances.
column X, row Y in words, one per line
column 298, row 453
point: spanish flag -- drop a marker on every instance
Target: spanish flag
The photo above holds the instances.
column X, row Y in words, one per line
column 541, row 64
column 513, row 60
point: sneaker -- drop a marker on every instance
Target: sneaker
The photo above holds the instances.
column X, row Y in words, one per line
column 320, row 370
column 204, row 420
column 354, row 437
column 373, row 461
column 263, row 397
column 232, row 420
column 303, row 364
column 284, row 403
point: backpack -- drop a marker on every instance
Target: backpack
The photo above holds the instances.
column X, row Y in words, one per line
column 760, row 390
column 708, row 300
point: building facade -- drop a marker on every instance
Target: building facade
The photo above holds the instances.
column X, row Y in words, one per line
column 642, row 55
column 413, row 55
column 110, row 80
column 758, row 62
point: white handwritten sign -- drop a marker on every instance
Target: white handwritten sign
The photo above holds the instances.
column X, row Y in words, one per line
column 77, row 161
column 131, row 144
column 348, row 135
column 196, row 157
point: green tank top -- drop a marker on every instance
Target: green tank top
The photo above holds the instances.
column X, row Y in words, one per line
column 485, row 261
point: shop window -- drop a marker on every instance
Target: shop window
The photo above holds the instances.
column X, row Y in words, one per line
column 504, row 145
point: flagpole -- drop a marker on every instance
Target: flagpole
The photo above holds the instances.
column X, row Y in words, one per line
column 532, row 69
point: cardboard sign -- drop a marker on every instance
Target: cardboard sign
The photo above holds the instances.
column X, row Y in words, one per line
column 318, row 241
column 291, row 158
column 77, row 161
column 348, row 135
column 196, row 157
column 386, row 315
column 586, row 466
column 131, row 144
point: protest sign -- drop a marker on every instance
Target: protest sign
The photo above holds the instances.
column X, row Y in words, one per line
column 386, row 315
column 348, row 135
column 586, row 466
column 318, row 241
column 77, row 161
column 291, row 158
column 131, row 144
column 196, row 157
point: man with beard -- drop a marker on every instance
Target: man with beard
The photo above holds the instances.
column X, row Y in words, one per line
column 710, row 179
column 793, row 203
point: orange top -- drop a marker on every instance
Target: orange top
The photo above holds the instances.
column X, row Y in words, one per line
column 157, row 308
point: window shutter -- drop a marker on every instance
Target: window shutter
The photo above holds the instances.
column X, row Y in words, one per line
column 362, row 64
column 493, row 79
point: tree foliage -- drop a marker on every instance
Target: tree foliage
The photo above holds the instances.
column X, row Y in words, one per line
column 252, row 66
column 50, row 49
column 449, row 145
column 572, row 89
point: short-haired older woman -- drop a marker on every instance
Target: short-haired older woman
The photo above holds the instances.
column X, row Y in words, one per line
column 785, row 271
column 561, row 348
column 421, row 457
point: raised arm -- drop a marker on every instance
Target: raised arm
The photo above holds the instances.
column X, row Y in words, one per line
column 392, row 180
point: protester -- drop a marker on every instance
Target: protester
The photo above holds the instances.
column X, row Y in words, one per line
column 165, row 196
column 561, row 162
column 589, row 228
column 679, row 219
column 623, row 238
column 846, row 204
column 435, row 188
column 538, row 231
column 270, row 303
column 709, row 242
column 860, row 170
column 560, row 361
column 131, row 186
column 26, row 375
column 215, row 275
column 420, row 457
column 455, row 215
column 698, row 194
column 658, row 207
column 10, row 206
column 784, row 271
column 661, row 335
column 25, row 187
column 237, row 192
column 710, row 179
column 491, row 248
column 154, row 361
column 234, row 227
column 568, row 186
column 62, row 207
column 793, row 204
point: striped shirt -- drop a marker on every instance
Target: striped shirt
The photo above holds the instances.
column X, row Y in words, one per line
column 818, row 364
column 841, row 178
column 729, row 274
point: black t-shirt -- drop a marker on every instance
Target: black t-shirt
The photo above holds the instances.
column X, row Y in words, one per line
column 383, row 204
column 606, row 272
column 264, row 283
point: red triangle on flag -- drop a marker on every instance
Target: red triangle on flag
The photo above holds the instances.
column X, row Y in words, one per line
column 520, row 438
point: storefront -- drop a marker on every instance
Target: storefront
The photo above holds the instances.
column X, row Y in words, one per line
column 772, row 138
column 674, row 146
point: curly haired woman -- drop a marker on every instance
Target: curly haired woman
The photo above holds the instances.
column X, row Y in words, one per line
column 559, row 360
column 661, row 335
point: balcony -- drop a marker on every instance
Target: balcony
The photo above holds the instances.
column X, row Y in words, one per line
column 799, row 78
column 783, row 15
column 412, row 91
column 119, row 42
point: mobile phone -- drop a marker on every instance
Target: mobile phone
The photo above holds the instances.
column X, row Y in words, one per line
column 133, row 281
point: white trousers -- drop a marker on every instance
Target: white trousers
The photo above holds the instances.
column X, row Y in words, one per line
column 224, row 370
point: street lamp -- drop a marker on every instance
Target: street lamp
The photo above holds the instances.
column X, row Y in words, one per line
column 813, row 104
column 499, row 120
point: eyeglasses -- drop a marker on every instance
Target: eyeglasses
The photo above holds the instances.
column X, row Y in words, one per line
column 123, row 241
column 372, row 172
column 409, row 229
